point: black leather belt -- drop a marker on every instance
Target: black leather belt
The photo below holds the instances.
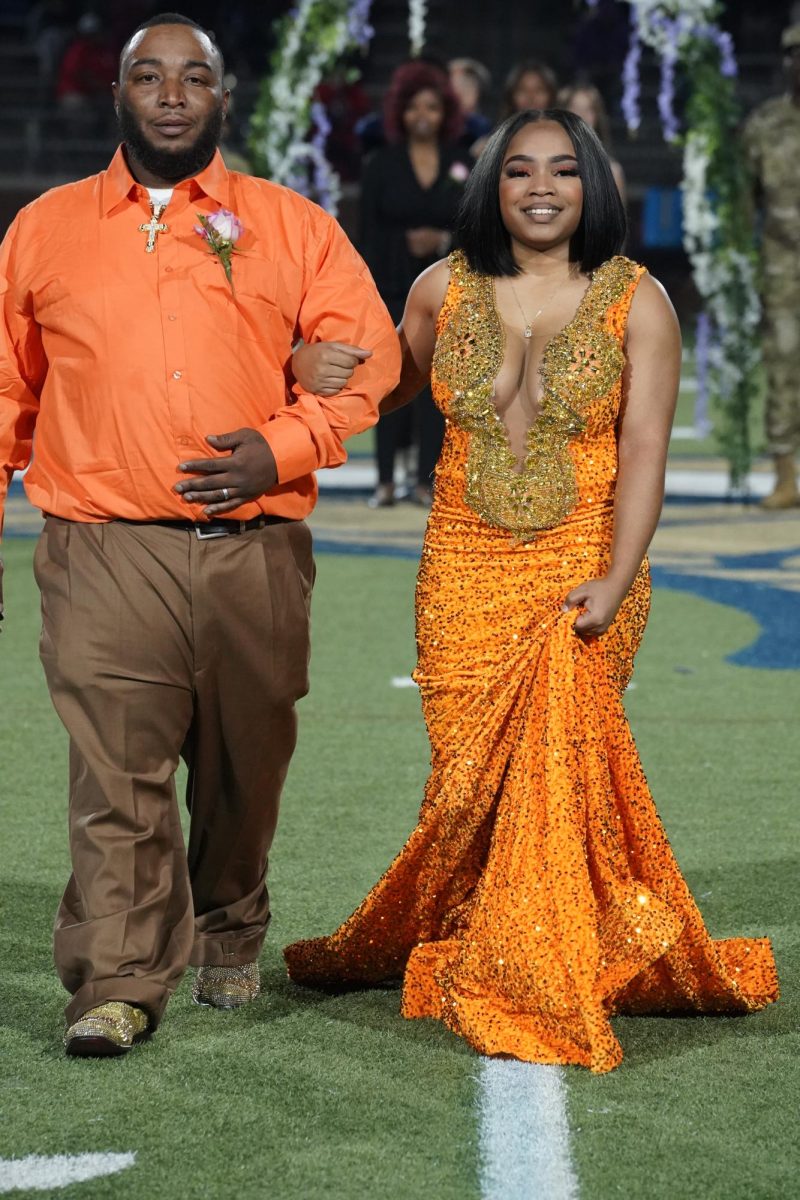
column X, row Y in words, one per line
column 214, row 529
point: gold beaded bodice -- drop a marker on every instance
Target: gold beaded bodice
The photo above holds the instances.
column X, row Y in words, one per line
column 581, row 376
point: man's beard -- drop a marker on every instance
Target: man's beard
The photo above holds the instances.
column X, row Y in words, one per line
column 172, row 165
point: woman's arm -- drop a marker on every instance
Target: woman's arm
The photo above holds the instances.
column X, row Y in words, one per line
column 650, row 392
column 417, row 333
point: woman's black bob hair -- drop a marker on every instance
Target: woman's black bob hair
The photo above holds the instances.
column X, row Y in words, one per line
column 480, row 231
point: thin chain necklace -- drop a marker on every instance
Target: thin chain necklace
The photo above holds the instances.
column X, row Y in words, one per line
column 528, row 331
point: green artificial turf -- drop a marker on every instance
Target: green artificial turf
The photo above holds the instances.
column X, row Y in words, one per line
column 704, row 1108
column 303, row 1096
column 300, row 1096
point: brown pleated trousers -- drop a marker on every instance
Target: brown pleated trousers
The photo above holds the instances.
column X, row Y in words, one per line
column 158, row 645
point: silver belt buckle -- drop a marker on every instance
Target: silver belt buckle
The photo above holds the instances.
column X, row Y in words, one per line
column 205, row 535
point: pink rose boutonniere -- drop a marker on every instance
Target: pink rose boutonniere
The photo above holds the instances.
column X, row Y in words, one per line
column 222, row 230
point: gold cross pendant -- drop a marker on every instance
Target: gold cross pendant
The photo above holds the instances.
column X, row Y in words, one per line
column 153, row 227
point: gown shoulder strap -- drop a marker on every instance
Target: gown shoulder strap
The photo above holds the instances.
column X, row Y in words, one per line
column 461, row 277
column 615, row 284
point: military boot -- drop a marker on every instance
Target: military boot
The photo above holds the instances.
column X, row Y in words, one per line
column 785, row 494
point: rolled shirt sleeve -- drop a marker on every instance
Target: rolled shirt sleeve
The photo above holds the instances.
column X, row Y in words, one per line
column 341, row 304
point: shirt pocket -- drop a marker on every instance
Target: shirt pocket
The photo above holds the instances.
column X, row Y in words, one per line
column 247, row 305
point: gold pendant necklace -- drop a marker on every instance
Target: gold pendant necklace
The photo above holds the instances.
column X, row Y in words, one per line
column 528, row 330
column 154, row 226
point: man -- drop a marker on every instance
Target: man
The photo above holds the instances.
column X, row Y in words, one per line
column 772, row 146
column 175, row 468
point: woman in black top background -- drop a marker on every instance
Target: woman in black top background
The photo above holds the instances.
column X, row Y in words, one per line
column 411, row 189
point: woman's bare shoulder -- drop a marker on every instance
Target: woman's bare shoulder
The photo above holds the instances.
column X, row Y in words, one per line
column 651, row 306
column 430, row 288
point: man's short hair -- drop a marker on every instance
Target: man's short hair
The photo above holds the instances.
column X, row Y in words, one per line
column 174, row 18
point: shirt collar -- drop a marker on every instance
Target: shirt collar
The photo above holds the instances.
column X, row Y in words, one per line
column 118, row 183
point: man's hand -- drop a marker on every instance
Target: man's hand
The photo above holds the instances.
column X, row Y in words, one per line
column 599, row 601
column 324, row 368
column 245, row 474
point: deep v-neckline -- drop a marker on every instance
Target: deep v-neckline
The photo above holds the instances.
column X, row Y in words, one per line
column 582, row 363
column 541, row 399
column 425, row 190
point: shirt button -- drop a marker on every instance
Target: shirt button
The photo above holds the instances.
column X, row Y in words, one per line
column 172, row 317
column 176, row 374
column 183, row 441
column 167, row 268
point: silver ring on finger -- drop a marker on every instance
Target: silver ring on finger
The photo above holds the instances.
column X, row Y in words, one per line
column 226, row 494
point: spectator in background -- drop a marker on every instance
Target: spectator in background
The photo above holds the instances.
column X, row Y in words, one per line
column 529, row 84
column 585, row 101
column 369, row 129
column 772, row 146
column 346, row 103
column 49, row 31
column 88, row 69
column 471, row 82
column 411, row 189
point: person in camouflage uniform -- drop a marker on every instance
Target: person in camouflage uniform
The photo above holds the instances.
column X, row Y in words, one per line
column 772, row 146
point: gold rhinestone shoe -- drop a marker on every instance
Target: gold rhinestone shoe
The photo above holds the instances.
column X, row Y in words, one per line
column 105, row 1031
column 226, row 987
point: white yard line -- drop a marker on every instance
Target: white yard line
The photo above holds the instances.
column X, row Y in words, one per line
column 38, row 1173
column 524, row 1134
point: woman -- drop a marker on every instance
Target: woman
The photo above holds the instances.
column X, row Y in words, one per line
column 529, row 85
column 538, row 894
column 585, row 101
column 410, row 194
column 471, row 82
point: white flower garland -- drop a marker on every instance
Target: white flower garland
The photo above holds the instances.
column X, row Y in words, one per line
column 651, row 14
column 417, row 25
column 721, row 274
column 299, row 153
column 724, row 275
column 283, row 143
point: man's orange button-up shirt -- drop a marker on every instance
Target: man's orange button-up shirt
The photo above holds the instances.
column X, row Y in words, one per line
column 125, row 361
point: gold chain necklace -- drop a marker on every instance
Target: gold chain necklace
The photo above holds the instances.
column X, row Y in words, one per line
column 528, row 331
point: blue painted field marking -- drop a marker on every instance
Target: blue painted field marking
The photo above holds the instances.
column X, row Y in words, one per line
column 777, row 610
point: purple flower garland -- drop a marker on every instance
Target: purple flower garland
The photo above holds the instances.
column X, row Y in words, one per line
column 359, row 30
column 666, row 93
column 323, row 178
column 630, row 77
column 673, row 30
column 320, row 165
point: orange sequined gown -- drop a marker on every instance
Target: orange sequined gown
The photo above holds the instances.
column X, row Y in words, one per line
column 538, row 895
